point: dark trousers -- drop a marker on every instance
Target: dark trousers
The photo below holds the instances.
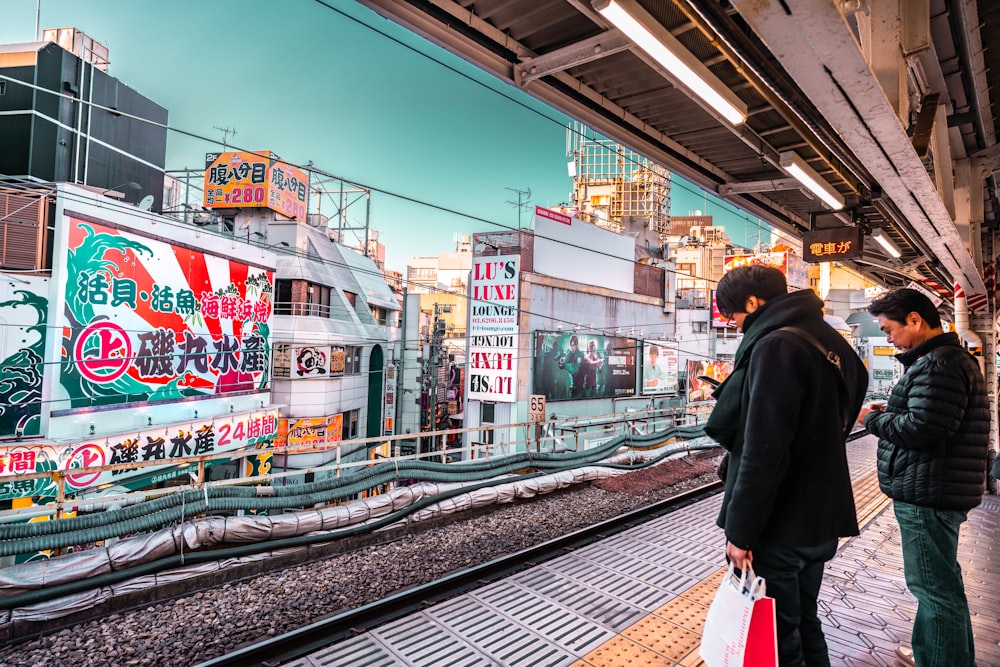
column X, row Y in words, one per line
column 793, row 576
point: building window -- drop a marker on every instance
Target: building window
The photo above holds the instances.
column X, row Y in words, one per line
column 381, row 315
column 282, row 297
column 3, row 87
column 352, row 360
column 318, row 298
column 352, row 298
column 298, row 297
column 350, row 425
column 487, row 418
column 422, row 273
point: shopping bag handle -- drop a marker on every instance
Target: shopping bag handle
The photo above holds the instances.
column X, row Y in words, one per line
column 749, row 583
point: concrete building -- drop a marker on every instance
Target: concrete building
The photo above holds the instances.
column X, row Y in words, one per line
column 542, row 301
column 334, row 331
column 95, row 137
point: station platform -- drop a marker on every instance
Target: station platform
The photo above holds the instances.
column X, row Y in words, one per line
column 640, row 597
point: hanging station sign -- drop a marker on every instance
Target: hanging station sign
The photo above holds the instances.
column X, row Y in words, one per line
column 832, row 245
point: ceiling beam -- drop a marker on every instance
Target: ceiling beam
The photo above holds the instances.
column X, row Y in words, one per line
column 584, row 51
column 770, row 185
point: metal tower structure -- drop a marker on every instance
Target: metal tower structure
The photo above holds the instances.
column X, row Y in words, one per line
column 616, row 188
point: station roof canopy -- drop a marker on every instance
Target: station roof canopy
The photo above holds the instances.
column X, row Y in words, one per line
column 794, row 88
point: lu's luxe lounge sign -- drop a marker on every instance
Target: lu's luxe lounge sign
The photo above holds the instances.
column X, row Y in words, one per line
column 493, row 329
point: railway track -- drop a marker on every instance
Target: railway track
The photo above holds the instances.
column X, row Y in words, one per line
column 315, row 636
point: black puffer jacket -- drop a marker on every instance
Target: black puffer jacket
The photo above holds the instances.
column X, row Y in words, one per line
column 934, row 434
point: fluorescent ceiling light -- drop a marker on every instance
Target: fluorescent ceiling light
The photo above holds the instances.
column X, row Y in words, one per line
column 650, row 36
column 885, row 242
column 799, row 169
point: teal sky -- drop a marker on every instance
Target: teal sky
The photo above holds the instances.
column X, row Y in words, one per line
column 313, row 83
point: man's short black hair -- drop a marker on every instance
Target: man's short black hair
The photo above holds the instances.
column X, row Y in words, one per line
column 741, row 283
column 899, row 303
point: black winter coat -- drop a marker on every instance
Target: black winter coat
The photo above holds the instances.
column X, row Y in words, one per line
column 934, row 434
column 779, row 415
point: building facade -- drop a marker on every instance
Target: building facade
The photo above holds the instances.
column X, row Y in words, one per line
column 75, row 123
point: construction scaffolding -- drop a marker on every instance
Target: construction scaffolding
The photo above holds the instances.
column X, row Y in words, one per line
column 615, row 187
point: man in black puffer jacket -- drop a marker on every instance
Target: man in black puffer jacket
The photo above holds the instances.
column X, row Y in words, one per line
column 783, row 415
column 933, row 442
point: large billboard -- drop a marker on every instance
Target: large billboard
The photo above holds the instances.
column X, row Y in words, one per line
column 574, row 366
column 241, row 179
column 701, row 390
column 793, row 266
column 659, row 367
column 493, row 329
column 147, row 319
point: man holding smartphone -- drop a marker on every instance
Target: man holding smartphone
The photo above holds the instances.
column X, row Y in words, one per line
column 933, row 444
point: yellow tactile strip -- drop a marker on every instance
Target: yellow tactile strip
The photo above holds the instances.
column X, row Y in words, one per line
column 671, row 635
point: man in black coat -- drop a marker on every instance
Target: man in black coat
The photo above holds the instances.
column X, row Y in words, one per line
column 783, row 415
column 932, row 449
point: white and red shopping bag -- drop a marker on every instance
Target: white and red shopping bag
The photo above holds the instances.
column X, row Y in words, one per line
column 740, row 629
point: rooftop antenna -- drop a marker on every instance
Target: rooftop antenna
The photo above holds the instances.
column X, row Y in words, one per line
column 226, row 131
column 522, row 203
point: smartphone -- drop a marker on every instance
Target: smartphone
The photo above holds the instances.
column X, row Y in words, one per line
column 709, row 379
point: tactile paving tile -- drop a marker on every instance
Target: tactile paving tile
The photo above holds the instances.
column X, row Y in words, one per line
column 704, row 592
column 862, row 456
column 623, row 652
column 663, row 637
column 688, row 615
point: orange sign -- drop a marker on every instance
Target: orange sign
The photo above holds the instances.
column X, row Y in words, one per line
column 307, row 432
column 337, row 360
column 241, row 179
column 335, row 428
